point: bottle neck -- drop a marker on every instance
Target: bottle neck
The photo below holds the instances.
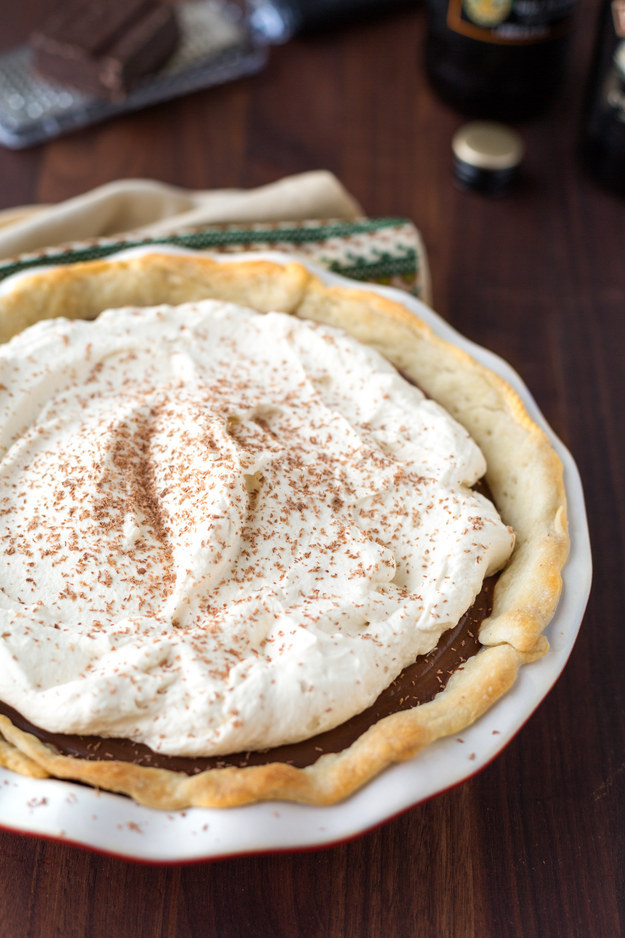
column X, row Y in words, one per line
column 279, row 20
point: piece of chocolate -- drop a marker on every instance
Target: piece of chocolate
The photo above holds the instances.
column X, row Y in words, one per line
column 104, row 47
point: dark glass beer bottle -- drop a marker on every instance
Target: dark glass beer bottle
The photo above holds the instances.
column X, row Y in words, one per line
column 498, row 59
column 603, row 133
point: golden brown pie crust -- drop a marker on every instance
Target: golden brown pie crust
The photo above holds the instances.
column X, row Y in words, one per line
column 524, row 475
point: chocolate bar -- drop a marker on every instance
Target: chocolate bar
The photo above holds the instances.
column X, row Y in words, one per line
column 104, row 47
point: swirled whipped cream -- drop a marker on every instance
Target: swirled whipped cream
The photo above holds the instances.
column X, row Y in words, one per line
column 223, row 531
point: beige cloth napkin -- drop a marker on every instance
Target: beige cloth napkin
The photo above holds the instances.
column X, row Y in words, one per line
column 153, row 208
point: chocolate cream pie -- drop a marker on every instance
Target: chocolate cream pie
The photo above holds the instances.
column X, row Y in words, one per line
column 246, row 550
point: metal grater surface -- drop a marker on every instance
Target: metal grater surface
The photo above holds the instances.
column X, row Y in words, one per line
column 215, row 47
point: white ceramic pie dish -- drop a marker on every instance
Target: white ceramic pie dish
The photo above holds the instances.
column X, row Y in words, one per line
column 114, row 824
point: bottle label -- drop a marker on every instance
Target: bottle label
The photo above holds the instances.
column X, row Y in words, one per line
column 618, row 17
column 510, row 22
column 614, row 82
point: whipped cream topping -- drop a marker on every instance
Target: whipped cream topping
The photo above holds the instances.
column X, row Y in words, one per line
column 223, row 531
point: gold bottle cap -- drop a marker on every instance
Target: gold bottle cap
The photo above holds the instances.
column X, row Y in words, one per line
column 486, row 155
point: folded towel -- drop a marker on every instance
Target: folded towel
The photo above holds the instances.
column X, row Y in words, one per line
column 310, row 215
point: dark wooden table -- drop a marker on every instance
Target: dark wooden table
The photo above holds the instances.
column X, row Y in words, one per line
column 535, row 844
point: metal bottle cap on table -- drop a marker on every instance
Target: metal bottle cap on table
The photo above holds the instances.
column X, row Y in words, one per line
column 487, row 156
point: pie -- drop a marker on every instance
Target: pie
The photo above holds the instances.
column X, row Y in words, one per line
column 247, row 551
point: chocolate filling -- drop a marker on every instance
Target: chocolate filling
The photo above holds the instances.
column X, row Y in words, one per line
column 417, row 684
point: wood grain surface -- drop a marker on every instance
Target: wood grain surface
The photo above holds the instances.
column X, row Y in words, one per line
column 535, row 844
